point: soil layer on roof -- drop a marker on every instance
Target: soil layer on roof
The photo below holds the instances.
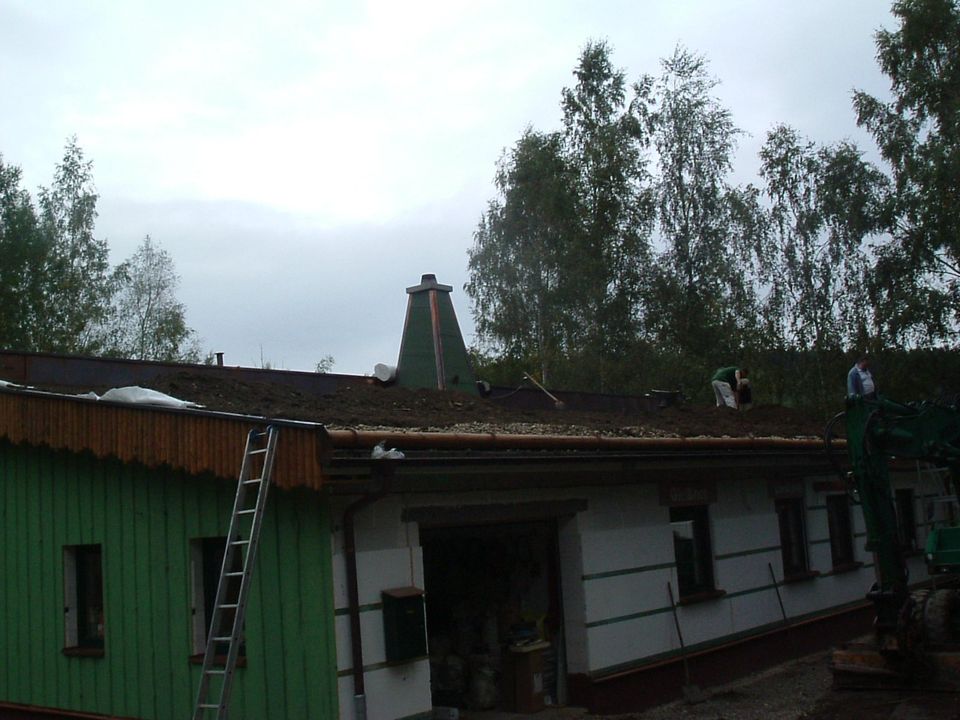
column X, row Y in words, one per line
column 369, row 405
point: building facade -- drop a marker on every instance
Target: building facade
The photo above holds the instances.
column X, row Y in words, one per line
column 479, row 571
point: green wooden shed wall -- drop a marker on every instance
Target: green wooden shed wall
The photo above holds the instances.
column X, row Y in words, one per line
column 144, row 519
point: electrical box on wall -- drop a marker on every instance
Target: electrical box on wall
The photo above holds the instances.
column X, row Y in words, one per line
column 404, row 625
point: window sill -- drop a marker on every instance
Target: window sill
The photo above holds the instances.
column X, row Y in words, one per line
column 91, row 652
column 801, row 577
column 700, row 597
column 218, row 660
column 845, row 568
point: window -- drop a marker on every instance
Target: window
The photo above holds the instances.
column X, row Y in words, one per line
column 206, row 559
column 83, row 598
column 907, row 519
column 841, row 532
column 793, row 537
column 691, row 547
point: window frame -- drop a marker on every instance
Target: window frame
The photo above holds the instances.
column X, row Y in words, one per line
column 702, row 558
column 206, row 559
column 793, row 537
column 840, row 526
column 83, row 597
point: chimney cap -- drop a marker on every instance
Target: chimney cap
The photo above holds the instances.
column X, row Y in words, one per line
column 428, row 281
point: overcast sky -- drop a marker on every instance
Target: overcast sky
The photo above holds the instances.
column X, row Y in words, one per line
column 306, row 161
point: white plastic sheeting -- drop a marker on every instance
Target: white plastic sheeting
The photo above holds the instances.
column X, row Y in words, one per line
column 145, row 396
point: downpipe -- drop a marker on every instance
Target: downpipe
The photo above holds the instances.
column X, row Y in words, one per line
column 382, row 471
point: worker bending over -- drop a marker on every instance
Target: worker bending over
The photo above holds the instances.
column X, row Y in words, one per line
column 731, row 385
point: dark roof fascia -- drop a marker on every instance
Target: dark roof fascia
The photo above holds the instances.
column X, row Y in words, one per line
column 447, row 472
column 186, row 411
column 345, row 455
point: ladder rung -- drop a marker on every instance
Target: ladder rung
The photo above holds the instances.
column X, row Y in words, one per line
column 249, row 467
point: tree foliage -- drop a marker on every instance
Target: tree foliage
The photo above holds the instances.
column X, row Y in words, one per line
column 554, row 272
column 604, row 140
column 702, row 302
column 77, row 289
column 519, row 263
column 619, row 254
column 23, row 252
column 57, row 291
column 918, row 133
column 146, row 321
column 813, row 261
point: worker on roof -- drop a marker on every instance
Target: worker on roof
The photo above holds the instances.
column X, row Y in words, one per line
column 731, row 385
column 860, row 380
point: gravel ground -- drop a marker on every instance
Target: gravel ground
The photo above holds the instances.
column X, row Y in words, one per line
column 796, row 690
column 802, row 690
column 784, row 692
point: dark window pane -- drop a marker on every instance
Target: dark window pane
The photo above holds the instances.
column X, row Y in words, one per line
column 841, row 532
column 692, row 550
column 90, row 626
column 793, row 543
column 213, row 550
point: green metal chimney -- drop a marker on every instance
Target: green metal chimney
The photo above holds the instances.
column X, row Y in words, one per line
column 432, row 352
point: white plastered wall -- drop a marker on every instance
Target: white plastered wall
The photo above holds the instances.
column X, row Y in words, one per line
column 616, row 558
column 388, row 556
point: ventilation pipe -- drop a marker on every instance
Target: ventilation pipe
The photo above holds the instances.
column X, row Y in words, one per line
column 432, row 352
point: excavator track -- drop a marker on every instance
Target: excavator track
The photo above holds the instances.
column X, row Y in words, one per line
column 924, row 656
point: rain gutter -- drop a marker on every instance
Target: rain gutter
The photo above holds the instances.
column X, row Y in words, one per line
column 345, row 439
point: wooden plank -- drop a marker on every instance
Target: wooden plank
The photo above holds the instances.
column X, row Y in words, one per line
column 98, row 472
column 264, row 687
column 288, row 549
column 145, row 661
column 160, row 581
column 178, row 584
column 129, row 643
column 58, row 469
column 113, row 590
column 316, row 605
column 51, row 588
column 6, row 536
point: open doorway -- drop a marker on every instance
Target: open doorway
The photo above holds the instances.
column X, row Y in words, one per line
column 494, row 615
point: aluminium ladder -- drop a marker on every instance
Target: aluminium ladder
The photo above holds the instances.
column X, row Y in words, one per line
column 213, row 695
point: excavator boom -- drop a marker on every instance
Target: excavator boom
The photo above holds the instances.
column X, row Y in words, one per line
column 917, row 641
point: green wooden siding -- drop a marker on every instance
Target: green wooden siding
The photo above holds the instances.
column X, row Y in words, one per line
column 144, row 521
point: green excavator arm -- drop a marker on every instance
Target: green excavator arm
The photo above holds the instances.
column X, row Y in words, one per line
column 917, row 639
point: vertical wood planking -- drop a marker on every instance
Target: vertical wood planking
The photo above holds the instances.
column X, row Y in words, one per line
column 291, row 601
column 144, row 520
column 6, row 602
column 158, row 574
column 128, row 552
column 100, row 509
column 179, row 608
column 116, row 629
